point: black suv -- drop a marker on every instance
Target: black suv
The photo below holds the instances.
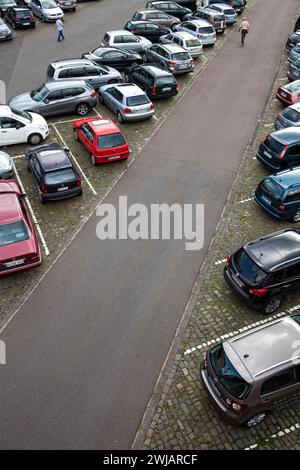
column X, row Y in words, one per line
column 147, row 29
column 19, row 18
column 216, row 19
column 53, row 171
column 171, row 8
column 264, row 272
column 280, row 149
column 155, row 80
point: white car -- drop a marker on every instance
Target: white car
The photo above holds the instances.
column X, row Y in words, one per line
column 201, row 29
column 46, row 10
column 17, row 127
column 186, row 40
column 125, row 40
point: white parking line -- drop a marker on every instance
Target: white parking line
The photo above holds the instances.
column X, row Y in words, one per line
column 282, row 79
column 240, row 330
column 67, row 121
column 276, row 435
column 269, row 125
column 220, row 261
column 242, row 201
column 98, row 114
column 75, row 160
column 33, row 216
column 18, row 156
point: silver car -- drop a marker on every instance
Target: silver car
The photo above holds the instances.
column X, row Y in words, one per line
column 294, row 54
column 157, row 16
column 5, row 32
column 46, row 10
column 201, row 29
column 67, row 5
column 289, row 117
column 123, row 39
column 171, row 56
column 6, row 166
column 57, row 98
column 127, row 101
column 5, row 4
column 83, row 69
column 186, row 40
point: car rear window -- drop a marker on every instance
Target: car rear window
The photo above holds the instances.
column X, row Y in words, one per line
column 291, row 114
column 111, row 140
column 106, row 37
column 246, row 266
column 50, row 71
column 274, row 144
column 272, row 189
column 293, row 87
column 192, row 42
column 22, row 13
column 167, row 80
column 137, row 100
column 137, row 16
column 13, row 233
column 206, row 30
column 296, row 318
column 229, row 11
column 227, row 374
column 60, row 176
column 181, row 56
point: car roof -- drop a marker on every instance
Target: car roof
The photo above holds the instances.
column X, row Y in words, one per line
column 129, row 89
column 287, row 178
column 183, row 34
column 261, row 352
column 103, row 126
column 64, row 84
column 222, row 5
column 276, row 251
column 5, row 110
column 62, row 63
column 208, row 10
column 173, row 47
column 10, row 209
column 289, row 135
column 52, row 157
column 118, row 32
column 199, row 22
column 149, row 10
column 156, row 69
column 20, row 9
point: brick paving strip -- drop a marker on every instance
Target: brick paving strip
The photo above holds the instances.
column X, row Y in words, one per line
column 179, row 415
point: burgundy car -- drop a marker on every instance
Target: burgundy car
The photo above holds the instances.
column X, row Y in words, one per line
column 289, row 94
column 19, row 246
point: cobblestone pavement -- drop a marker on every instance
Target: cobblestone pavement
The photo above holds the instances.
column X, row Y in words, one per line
column 180, row 415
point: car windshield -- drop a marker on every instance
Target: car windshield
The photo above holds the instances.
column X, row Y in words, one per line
column 40, row 93
column 110, row 140
column 181, row 56
column 48, row 4
column 272, row 189
column 246, row 266
column 227, row 374
column 207, row 30
column 291, row 114
column 22, row 114
column 274, row 144
column 13, row 233
column 192, row 42
column 167, row 80
column 60, row 176
column 137, row 100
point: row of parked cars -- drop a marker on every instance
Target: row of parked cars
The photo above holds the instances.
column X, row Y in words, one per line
column 250, row 374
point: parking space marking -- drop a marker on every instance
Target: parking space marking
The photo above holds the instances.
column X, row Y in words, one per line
column 242, row 201
column 220, row 261
column 98, row 114
column 18, row 156
column 240, row 330
column 35, row 221
column 282, row 79
column 75, row 160
column 269, row 125
column 284, row 432
column 66, row 121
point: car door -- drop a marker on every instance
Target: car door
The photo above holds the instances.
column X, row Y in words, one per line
column 82, row 133
column 12, row 131
column 36, row 170
column 110, row 98
column 282, row 389
column 137, row 75
column 116, row 59
column 293, row 156
column 53, row 103
column 94, row 76
column 292, row 280
column 69, row 100
column 153, row 32
column 89, row 138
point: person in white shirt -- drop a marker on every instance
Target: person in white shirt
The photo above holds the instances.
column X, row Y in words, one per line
column 59, row 27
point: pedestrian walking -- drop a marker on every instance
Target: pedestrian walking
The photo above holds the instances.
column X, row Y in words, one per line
column 244, row 29
column 59, row 27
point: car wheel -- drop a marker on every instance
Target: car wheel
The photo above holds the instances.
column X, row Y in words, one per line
column 28, row 167
column 42, row 200
column 82, row 109
column 173, row 26
column 93, row 159
column 120, row 117
column 255, row 420
column 272, row 305
column 101, row 100
column 296, row 217
column 35, row 139
column 13, row 26
column 43, row 19
column 126, row 78
column 74, row 9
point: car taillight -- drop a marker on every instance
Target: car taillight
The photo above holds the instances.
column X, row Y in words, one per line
column 78, row 181
column 228, row 258
column 17, row 18
column 127, row 110
column 44, row 189
column 277, row 116
column 258, row 292
column 294, row 97
column 171, row 62
column 151, row 106
column 35, row 258
column 192, row 61
column 283, row 152
column 154, row 89
column 32, row 18
column 281, row 208
column 93, row 94
column 235, row 406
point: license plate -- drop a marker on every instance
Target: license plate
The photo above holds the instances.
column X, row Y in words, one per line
column 167, row 88
column 182, row 67
column 17, row 262
column 237, row 280
column 114, row 157
column 26, row 24
column 68, row 4
column 266, row 200
column 267, row 154
column 65, row 188
column 284, row 94
column 140, row 110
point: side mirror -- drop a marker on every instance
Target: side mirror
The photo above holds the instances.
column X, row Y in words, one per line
column 66, row 149
column 23, row 195
column 46, row 101
column 18, row 126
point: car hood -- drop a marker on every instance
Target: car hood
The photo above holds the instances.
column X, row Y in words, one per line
column 144, row 41
column 23, row 102
column 4, row 28
column 5, row 162
column 38, row 120
column 53, row 11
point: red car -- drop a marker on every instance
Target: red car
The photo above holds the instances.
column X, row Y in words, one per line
column 102, row 138
column 289, row 94
column 19, row 246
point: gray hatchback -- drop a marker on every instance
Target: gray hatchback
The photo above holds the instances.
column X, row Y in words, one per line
column 171, row 56
column 57, row 98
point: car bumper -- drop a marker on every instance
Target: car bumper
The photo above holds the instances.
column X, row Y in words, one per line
column 67, row 7
column 267, row 163
column 252, row 302
column 138, row 116
column 24, row 267
column 62, row 195
column 283, row 100
column 272, row 210
column 159, row 96
column 25, row 24
column 7, row 175
column 230, row 21
column 54, row 18
column 6, row 38
column 208, row 42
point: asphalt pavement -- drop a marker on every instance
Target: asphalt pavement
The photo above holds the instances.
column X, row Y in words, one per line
column 85, row 350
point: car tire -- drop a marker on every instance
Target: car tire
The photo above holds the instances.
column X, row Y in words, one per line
column 255, row 420
column 83, row 109
column 28, row 167
column 272, row 305
column 173, row 26
column 101, row 100
column 43, row 19
column 93, row 160
column 35, row 139
column 74, row 9
column 13, row 25
column 41, row 199
column 75, row 135
column 120, row 117
column 126, row 78
column 296, row 217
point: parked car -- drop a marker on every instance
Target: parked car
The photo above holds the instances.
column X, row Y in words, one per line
column 19, row 17
column 186, row 40
column 174, row 58
column 155, row 80
column 293, row 39
column 147, row 29
column 294, row 71
column 191, row 4
column 237, row 5
column 17, row 127
column 171, row 8
column 255, row 372
column 60, row 97
column 265, row 272
column 280, row 149
column 54, row 173
column 127, row 101
column 156, row 16
column 125, row 40
column 216, row 19
column 226, row 10
column 19, row 246
column 67, row 5
column 82, row 69
column 5, row 32
column 119, row 59
column 46, row 10
column 6, row 166
column 279, row 194
column 289, row 93
column 201, row 29
column 294, row 54
column 5, row 5
column 289, row 117
column 103, row 139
